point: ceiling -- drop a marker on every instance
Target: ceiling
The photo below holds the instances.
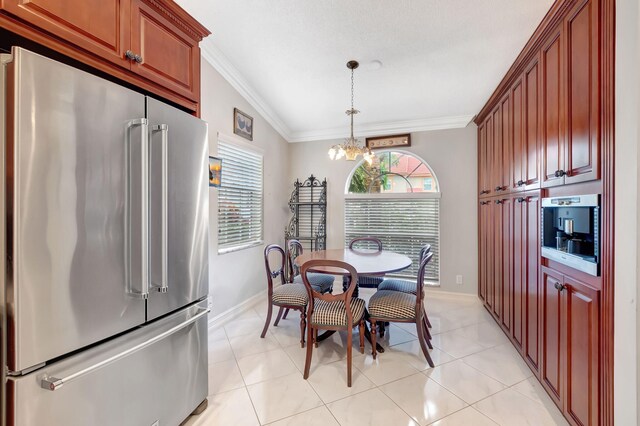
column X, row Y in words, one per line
column 441, row 59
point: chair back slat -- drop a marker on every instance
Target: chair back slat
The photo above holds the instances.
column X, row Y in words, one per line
column 294, row 249
column 279, row 270
column 420, row 281
column 375, row 241
column 344, row 296
column 424, row 250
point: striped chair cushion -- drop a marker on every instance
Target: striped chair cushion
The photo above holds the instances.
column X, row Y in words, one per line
column 290, row 295
column 392, row 305
column 321, row 283
column 335, row 314
column 394, row 284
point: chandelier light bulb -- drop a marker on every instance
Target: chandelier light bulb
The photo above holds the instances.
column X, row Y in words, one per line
column 332, row 153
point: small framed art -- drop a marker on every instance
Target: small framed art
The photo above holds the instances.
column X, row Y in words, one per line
column 394, row 141
column 242, row 124
column 215, row 171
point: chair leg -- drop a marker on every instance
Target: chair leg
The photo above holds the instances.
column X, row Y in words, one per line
column 423, row 342
column 303, row 325
column 349, row 355
column 373, row 338
column 315, row 337
column 427, row 332
column 361, row 332
column 275, row 324
column 266, row 323
column 307, row 362
column 382, row 329
column 426, row 317
column 286, row 312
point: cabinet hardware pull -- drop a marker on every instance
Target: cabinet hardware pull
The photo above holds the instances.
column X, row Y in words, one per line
column 521, row 199
column 499, row 201
column 138, row 59
column 484, row 203
column 559, row 286
column 560, row 173
column 485, row 191
column 498, row 188
column 520, row 183
column 130, row 55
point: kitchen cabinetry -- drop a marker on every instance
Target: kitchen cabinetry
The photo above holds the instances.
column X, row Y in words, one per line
column 151, row 44
column 547, row 131
column 571, row 330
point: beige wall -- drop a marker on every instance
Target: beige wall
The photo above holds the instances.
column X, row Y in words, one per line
column 451, row 154
column 237, row 276
column 626, row 338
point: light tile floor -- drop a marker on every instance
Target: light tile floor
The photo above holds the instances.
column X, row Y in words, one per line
column 479, row 379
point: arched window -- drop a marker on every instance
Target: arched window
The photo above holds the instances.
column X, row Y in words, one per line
column 396, row 199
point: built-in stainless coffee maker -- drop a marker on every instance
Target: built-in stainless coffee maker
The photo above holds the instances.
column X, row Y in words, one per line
column 571, row 231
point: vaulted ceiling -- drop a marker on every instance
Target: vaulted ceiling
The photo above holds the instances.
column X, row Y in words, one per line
column 425, row 64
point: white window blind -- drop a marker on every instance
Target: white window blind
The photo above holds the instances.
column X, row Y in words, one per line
column 404, row 225
column 239, row 198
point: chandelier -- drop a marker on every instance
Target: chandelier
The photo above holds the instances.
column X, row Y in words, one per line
column 351, row 148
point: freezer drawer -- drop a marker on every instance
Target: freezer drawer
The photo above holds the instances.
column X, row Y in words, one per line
column 159, row 384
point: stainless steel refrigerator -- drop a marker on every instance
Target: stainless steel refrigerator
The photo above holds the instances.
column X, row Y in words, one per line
column 104, row 196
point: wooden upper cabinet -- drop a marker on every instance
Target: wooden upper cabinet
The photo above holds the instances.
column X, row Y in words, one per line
column 507, row 141
column 489, row 179
column 531, row 164
column 582, row 354
column 497, row 165
column 518, row 153
column 482, row 160
column 98, row 26
column 582, row 154
column 553, row 144
column 169, row 55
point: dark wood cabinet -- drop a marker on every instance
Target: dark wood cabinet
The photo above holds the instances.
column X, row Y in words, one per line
column 531, row 161
column 498, row 161
column 169, row 56
column 94, row 25
column 505, row 172
column 483, row 162
column 552, row 339
column 532, row 285
column 519, row 262
column 571, row 359
column 518, row 146
column 582, row 152
column 485, row 267
column 553, row 144
column 496, row 280
column 504, row 250
column 151, row 44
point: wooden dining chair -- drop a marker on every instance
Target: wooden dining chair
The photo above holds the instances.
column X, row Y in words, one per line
column 286, row 295
column 366, row 281
column 406, row 286
column 333, row 311
column 396, row 306
column 322, row 283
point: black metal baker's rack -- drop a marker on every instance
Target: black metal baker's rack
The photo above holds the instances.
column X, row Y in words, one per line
column 308, row 205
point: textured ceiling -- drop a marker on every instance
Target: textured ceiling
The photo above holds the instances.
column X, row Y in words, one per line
column 441, row 58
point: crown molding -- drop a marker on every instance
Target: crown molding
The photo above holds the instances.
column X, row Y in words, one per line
column 219, row 61
column 385, row 128
column 230, row 73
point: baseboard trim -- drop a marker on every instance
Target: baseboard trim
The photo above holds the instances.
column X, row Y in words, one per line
column 235, row 311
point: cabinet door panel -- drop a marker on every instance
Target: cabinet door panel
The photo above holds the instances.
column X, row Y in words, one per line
column 507, row 263
column 552, row 334
column 496, row 216
column 532, row 324
column 489, row 162
column 101, row 27
column 170, row 57
column 506, row 173
column 532, row 126
column 483, row 249
column 519, row 291
column 552, row 117
column 489, row 276
column 518, row 151
column 496, row 167
column 583, row 330
column 482, row 160
column 582, row 148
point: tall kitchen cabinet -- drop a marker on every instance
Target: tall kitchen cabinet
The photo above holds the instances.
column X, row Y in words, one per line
column 547, row 131
column 150, row 44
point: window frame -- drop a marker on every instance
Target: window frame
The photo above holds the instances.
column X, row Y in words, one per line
column 240, row 145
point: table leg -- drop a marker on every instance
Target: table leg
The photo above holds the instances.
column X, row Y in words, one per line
column 367, row 334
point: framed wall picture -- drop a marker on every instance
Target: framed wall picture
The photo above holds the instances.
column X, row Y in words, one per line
column 215, row 171
column 394, row 141
column 242, row 124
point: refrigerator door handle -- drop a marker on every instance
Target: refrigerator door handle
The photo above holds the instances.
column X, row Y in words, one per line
column 144, row 207
column 164, row 130
column 52, row 383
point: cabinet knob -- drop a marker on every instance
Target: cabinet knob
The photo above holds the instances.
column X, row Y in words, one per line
column 520, row 183
column 559, row 286
column 560, row 173
column 521, row 199
column 499, row 201
column 138, row 59
column 484, row 191
column 484, row 203
column 130, row 55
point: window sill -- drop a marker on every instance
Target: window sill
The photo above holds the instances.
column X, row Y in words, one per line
column 240, row 247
